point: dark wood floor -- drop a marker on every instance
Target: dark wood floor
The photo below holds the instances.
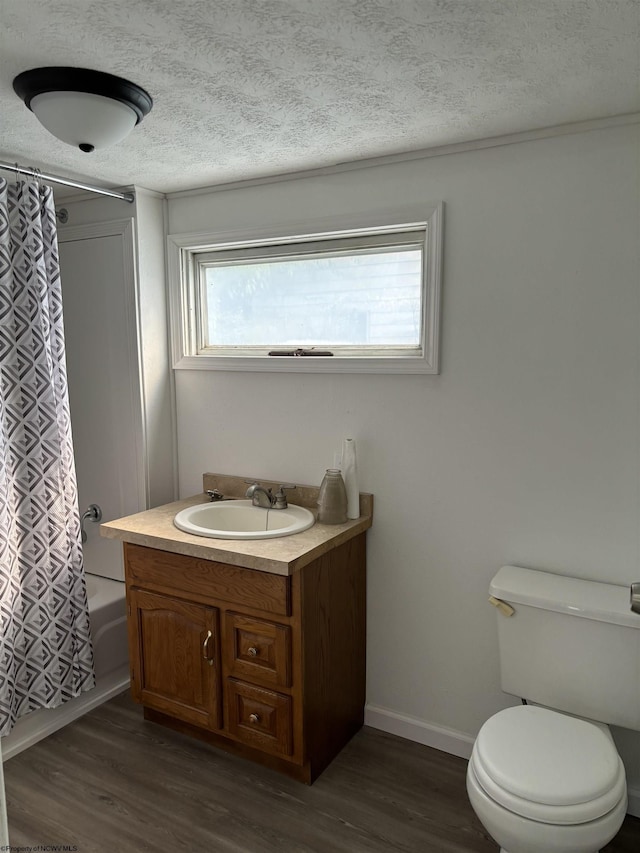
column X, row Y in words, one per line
column 112, row 782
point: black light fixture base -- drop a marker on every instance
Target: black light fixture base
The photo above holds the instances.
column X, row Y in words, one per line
column 37, row 81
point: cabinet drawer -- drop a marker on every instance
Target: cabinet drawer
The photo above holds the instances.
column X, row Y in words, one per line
column 181, row 575
column 257, row 650
column 259, row 717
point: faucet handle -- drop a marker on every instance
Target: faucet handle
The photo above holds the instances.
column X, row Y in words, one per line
column 280, row 497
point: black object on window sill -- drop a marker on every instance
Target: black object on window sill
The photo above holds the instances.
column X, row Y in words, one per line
column 301, row 353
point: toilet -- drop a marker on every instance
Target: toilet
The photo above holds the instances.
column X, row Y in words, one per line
column 545, row 776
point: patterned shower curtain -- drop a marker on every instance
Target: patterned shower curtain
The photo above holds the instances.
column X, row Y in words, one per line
column 46, row 656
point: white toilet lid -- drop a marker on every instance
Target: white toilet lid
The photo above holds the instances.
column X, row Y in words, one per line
column 549, row 766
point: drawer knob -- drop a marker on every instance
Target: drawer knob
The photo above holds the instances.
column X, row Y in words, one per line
column 254, row 718
column 253, row 651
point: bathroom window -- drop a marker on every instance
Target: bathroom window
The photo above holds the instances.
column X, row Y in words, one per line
column 357, row 299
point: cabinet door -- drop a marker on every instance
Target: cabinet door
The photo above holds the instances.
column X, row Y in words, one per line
column 175, row 657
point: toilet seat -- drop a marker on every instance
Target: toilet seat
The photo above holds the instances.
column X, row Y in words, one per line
column 548, row 766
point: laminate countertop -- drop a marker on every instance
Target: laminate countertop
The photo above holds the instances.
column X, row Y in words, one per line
column 154, row 528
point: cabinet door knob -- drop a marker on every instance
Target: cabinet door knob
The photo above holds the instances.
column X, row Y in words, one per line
column 205, row 649
column 253, row 651
column 254, row 718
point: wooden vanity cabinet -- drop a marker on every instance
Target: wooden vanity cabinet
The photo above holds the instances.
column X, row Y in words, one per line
column 271, row 667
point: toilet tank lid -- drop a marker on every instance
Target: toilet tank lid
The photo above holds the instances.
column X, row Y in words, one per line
column 603, row 602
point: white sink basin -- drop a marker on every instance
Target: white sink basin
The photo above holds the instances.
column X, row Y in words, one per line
column 242, row 520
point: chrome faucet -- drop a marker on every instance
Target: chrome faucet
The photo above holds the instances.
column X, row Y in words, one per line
column 265, row 497
column 260, row 496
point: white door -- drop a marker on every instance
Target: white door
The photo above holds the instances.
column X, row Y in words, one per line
column 98, row 292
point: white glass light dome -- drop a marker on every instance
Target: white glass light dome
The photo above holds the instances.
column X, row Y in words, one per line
column 83, row 120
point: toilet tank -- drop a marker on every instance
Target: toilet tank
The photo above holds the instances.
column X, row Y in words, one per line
column 571, row 644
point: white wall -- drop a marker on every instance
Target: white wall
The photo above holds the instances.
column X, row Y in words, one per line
column 525, row 450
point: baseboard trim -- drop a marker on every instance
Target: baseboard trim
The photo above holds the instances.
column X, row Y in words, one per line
column 40, row 724
column 411, row 728
column 444, row 739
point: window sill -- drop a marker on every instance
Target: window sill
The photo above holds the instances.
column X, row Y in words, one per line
column 307, row 365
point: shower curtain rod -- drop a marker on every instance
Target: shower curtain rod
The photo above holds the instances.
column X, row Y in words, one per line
column 43, row 176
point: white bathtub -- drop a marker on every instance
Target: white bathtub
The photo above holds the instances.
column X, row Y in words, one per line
column 107, row 611
column 108, row 615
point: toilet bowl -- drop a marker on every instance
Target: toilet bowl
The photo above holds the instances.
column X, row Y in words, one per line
column 545, row 782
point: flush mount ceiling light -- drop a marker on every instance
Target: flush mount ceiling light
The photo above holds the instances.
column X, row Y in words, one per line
column 84, row 108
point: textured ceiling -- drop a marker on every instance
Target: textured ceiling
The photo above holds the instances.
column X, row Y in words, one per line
column 248, row 88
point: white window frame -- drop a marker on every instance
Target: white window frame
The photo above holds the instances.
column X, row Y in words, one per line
column 183, row 250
